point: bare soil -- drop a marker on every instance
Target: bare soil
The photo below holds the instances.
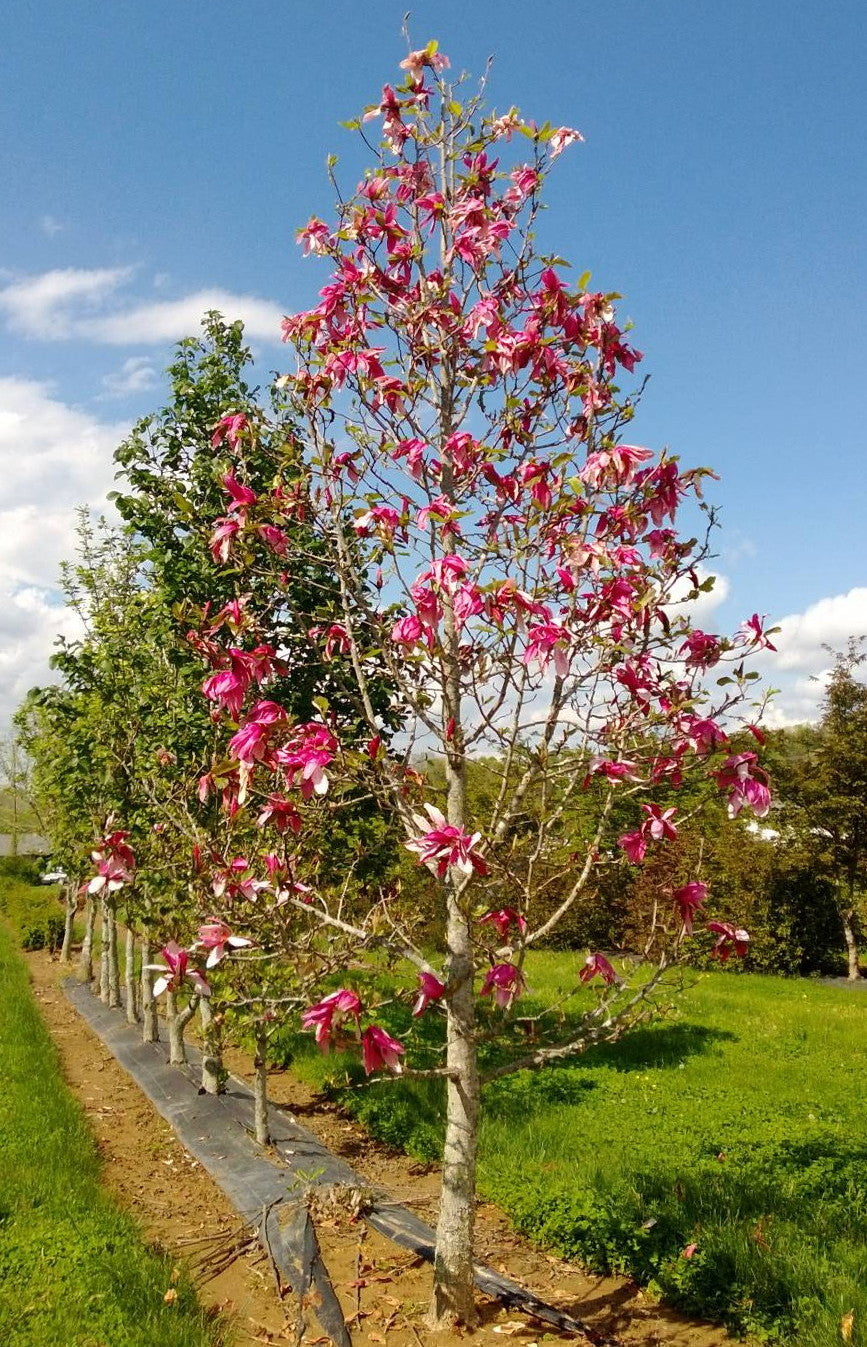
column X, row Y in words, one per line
column 383, row 1289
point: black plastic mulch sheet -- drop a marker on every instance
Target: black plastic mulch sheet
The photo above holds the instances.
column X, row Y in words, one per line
column 217, row 1131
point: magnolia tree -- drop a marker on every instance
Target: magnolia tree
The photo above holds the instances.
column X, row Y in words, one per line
column 513, row 561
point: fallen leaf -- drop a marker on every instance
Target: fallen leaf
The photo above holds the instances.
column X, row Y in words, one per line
column 170, row 1296
column 846, row 1325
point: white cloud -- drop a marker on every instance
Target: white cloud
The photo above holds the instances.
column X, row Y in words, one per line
column 71, row 303
column 50, row 226
column 135, row 375
column 53, row 457
column 51, row 306
column 802, row 662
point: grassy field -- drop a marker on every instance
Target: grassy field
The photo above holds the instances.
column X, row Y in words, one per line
column 736, row 1125
column 73, row 1269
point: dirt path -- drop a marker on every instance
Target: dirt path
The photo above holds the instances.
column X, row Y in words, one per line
column 181, row 1208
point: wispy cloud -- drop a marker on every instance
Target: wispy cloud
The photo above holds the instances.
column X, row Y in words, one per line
column 803, row 659
column 53, row 457
column 136, row 375
column 50, row 226
column 81, row 304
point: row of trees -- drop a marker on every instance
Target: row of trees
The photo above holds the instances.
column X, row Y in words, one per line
column 397, row 670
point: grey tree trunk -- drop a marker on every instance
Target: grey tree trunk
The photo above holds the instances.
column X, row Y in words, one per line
column 85, row 966
column 177, row 1022
column 453, row 1297
column 129, row 977
column 71, row 900
column 150, row 1025
column 114, row 996
column 103, row 951
column 212, row 1057
column 260, row 1087
column 852, row 952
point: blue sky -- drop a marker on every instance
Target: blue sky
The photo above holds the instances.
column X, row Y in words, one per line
column 159, row 156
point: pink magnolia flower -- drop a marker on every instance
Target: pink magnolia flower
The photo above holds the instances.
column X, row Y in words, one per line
column 327, row 1015
column 504, row 982
column 111, row 875
column 222, row 538
column 563, row 137
column 408, row 630
column 379, row 1050
column 752, row 633
column 217, row 938
column 635, row 846
column 688, row 899
column 596, row 965
column 732, row 940
column 546, row 641
column 315, row 236
column 281, row 813
column 429, row 989
column 658, row 824
column 312, row 748
column 746, row 784
column 241, row 495
column 229, row 427
column 702, row 651
column 175, row 970
column 427, row 56
column 446, row 846
column 503, row 919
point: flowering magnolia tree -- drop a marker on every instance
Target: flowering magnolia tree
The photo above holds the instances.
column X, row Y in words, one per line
column 512, row 559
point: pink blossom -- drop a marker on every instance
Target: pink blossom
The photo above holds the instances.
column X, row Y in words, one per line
column 746, row 784
column 241, row 495
column 175, row 970
column 379, row 1050
column 446, row 845
column 701, row 650
column 688, row 899
column 222, row 538
column 327, row 1015
column 407, row 630
column 315, row 236
column 658, row 824
column 217, row 938
column 274, row 538
column 281, row 813
column 429, row 989
column 503, row 919
column 504, row 982
column 752, row 633
column 427, row 56
column 229, row 427
column 311, row 749
column 732, row 940
column 546, row 641
column 596, row 965
column 563, row 137
column 635, row 846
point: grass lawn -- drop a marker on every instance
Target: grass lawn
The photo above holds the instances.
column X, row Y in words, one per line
column 737, row 1125
column 73, row 1269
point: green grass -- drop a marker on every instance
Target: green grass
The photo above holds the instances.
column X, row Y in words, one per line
column 34, row 913
column 737, row 1124
column 73, row 1269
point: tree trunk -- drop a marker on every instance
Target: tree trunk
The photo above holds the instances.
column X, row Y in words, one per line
column 177, row 1022
column 71, row 900
column 453, row 1296
column 103, row 951
column 260, row 1087
column 114, row 997
column 129, row 977
column 150, row 1025
column 85, row 966
column 212, row 1057
column 852, row 953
